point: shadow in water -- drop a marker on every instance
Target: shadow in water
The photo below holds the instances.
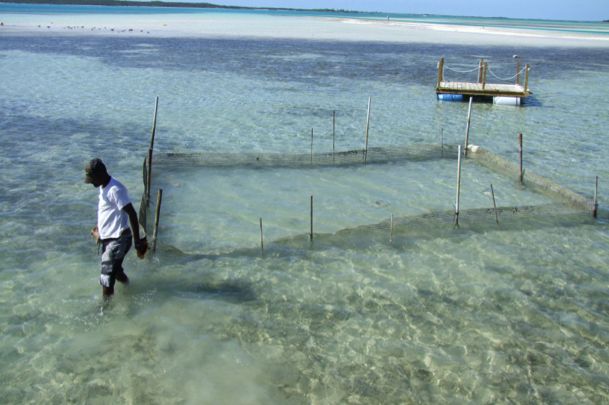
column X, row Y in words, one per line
column 234, row 291
column 532, row 101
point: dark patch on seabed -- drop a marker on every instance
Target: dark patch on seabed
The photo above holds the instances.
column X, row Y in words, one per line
column 307, row 60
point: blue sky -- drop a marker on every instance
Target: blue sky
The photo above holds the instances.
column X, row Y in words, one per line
column 593, row 10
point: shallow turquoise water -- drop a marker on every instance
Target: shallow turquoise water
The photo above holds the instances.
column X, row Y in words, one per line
column 480, row 314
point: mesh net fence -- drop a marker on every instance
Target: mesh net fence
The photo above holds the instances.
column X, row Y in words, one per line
column 401, row 233
column 421, row 152
column 562, row 208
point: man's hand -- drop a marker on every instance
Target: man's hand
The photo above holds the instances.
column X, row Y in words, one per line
column 95, row 234
column 141, row 247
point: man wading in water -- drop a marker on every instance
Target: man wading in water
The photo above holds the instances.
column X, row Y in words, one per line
column 114, row 215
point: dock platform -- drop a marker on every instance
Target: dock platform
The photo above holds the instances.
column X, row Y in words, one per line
column 503, row 93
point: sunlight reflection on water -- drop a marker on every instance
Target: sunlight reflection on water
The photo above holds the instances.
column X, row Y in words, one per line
column 480, row 315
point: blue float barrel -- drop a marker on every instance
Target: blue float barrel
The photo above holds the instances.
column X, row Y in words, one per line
column 450, row 97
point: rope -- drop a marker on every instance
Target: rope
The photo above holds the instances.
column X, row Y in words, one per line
column 490, row 71
column 508, row 78
column 460, row 71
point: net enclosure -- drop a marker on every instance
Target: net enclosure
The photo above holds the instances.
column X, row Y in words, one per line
column 248, row 203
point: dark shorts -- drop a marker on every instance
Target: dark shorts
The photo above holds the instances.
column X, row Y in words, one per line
column 113, row 253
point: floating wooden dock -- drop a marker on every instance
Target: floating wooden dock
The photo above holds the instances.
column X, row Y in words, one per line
column 499, row 93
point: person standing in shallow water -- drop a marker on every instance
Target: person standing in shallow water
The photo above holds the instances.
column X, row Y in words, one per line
column 115, row 215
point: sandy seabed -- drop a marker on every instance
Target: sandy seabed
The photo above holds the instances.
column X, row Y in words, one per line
column 291, row 27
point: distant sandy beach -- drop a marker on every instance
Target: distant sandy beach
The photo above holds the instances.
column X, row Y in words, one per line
column 268, row 26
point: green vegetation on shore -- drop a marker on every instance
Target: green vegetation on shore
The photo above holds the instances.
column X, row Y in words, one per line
column 130, row 3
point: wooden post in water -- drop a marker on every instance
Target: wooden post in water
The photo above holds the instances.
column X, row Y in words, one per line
column 526, row 77
column 150, row 148
column 261, row 238
column 145, row 179
column 494, row 204
column 517, row 69
column 311, row 145
column 153, row 133
column 333, row 134
column 484, row 71
column 157, row 213
column 595, row 206
column 367, row 130
column 480, row 68
column 311, row 232
column 520, row 169
column 469, row 118
column 458, row 187
column 149, row 177
column 440, row 72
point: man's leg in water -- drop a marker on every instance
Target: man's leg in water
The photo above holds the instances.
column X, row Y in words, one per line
column 113, row 254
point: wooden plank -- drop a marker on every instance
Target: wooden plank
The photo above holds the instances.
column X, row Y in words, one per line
column 478, row 89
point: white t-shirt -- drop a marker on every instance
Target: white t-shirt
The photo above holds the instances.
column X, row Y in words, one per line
column 111, row 219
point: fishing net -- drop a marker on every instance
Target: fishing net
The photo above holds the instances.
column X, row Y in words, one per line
column 282, row 160
column 560, row 206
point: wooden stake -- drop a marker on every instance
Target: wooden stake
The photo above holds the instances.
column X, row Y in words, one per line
column 469, row 118
column 149, row 177
column 333, row 134
column 145, row 180
column 484, row 71
column 526, row 77
column 517, row 70
column 311, row 233
column 480, row 68
column 261, row 238
column 494, row 205
column 595, row 207
column 520, row 170
column 311, row 145
column 458, row 186
column 440, row 73
column 367, row 129
column 150, row 148
column 157, row 213
column 143, row 214
column 152, row 135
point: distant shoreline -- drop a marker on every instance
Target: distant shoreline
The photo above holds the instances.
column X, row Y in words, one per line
column 328, row 27
column 205, row 5
column 129, row 3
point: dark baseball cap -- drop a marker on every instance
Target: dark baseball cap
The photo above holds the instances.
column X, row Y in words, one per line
column 94, row 168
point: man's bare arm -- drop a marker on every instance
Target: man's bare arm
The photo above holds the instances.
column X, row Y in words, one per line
column 140, row 244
